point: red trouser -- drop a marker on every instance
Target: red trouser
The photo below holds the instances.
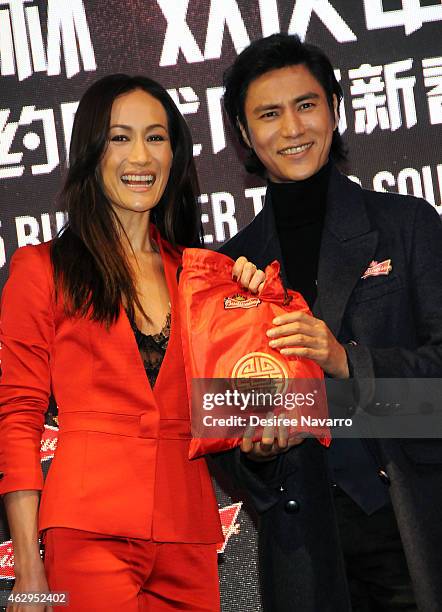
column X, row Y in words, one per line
column 103, row 573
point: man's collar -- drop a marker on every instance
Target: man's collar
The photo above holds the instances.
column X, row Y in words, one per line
column 345, row 217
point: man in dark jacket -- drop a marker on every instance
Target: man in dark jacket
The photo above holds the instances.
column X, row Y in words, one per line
column 356, row 526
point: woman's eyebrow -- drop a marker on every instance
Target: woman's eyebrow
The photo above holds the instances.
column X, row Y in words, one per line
column 128, row 127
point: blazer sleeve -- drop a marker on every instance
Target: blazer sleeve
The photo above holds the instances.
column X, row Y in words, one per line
column 425, row 270
column 26, row 336
column 258, row 480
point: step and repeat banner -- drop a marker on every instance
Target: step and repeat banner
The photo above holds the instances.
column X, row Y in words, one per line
column 387, row 54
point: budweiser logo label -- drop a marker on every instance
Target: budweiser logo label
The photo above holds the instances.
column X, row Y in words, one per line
column 6, row 560
column 48, row 443
column 228, row 516
column 378, row 269
column 241, row 301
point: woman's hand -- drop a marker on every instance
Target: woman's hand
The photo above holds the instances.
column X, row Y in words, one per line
column 274, row 441
column 248, row 275
column 31, row 580
column 22, row 511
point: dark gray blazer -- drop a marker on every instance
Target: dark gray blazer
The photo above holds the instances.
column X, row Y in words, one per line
column 396, row 321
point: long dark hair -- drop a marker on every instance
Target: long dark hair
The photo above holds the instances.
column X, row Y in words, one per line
column 90, row 266
column 270, row 53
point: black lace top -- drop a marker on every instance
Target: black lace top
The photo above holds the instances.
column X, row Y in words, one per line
column 152, row 348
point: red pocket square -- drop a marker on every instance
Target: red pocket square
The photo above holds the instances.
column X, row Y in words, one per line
column 377, row 268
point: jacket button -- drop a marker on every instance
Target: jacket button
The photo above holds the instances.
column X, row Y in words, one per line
column 384, row 477
column 292, row 506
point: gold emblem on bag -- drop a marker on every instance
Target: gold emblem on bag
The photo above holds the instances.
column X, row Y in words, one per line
column 263, row 366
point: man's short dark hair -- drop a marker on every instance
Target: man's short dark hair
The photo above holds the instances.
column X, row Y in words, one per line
column 262, row 56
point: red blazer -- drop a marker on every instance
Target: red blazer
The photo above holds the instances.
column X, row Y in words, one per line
column 121, row 465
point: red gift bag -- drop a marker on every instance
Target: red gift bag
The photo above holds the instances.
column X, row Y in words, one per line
column 224, row 340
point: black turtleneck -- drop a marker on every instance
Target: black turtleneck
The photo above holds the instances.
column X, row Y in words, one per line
column 299, row 210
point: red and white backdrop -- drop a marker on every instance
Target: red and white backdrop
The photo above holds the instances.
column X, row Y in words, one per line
column 387, row 55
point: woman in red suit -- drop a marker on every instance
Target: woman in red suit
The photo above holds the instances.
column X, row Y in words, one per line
column 128, row 522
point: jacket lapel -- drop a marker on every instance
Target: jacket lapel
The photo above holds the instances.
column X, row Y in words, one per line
column 348, row 246
column 267, row 247
column 171, row 261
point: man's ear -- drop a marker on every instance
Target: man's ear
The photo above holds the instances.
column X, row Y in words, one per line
column 335, row 111
column 244, row 134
